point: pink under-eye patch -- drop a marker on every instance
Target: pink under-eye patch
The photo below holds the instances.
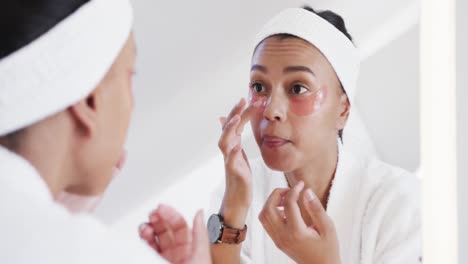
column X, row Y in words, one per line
column 309, row 104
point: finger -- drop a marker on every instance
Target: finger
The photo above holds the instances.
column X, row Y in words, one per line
column 173, row 238
column 292, row 210
column 237, row 109
column 246, row 116
column 171, row 217
column 228, row 139
column 233, row 157
column 222, row 121
column 200, row 244
column 271, row 217
column 169, row 227
column 147, row 233
column 178, row 254
column 270, row 214
column 322, row 222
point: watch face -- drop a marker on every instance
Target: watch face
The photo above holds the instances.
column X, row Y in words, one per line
column 214, row 228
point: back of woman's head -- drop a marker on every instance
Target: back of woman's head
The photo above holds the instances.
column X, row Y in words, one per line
column 332, row 18
column 22, row 21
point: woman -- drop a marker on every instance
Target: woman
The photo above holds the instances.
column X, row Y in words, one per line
column 311, row 199
column 65, row 106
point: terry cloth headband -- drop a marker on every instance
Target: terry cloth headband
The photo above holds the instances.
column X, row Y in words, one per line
column 334, row 45
column 64, row 65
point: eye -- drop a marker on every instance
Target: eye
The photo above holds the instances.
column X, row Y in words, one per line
column 299, row 89
column 258, row 87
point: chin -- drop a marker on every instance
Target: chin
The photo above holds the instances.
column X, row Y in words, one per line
column 278, row 162
column 97, row 183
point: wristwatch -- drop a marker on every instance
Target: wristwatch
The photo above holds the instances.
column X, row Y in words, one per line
column 221, row 233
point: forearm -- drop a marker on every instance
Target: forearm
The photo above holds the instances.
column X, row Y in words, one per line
column 225, row 253
column 229, row 253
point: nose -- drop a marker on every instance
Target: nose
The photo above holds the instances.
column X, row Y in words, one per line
column 275, row 108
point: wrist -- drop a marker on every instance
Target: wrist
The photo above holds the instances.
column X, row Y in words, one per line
column 234, row 217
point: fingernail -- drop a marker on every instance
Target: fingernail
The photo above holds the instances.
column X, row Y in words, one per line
column 141, row 227
column 257, row 104
column 310, row 195
column 300, row 185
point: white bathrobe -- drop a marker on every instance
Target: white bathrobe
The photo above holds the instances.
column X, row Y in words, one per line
column 34, row 229
column 375, row 208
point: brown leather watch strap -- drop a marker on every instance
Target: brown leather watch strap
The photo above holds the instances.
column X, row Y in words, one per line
column 232, row 235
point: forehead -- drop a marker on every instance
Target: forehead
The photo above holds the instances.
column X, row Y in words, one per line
column 287, row 50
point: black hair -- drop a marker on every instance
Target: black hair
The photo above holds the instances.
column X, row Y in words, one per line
column 338, row 22
column 332, row 18
column 23, row 21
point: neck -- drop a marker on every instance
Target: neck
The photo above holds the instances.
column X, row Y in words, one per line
column 317, row 174
column 47, row 151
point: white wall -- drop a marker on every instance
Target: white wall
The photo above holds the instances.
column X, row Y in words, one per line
column 388, row 99
column 462, row 96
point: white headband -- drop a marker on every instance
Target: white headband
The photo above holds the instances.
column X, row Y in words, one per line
column 64, row 65
column 334, row 45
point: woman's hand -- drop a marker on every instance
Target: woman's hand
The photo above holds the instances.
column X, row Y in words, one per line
column 169, row 235
column 316, row 243
column 238, row 193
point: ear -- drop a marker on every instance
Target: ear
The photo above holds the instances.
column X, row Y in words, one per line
column 85, row 114
column 344, row 111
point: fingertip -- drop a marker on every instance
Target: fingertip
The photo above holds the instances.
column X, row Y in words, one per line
column 309, row 196
column 201, row 213
column 257, row 104
column 299, row 186
column 222, row 120
column 242, row 101
column 201, row 217
column 142, row 227
column 145, row 231
column 153, row 215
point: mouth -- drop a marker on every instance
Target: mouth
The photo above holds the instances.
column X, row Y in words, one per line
column 274, row 142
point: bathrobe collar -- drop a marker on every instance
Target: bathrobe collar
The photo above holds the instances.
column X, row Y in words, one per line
column 18, row 174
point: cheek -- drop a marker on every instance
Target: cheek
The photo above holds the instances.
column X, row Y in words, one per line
column 308, row 105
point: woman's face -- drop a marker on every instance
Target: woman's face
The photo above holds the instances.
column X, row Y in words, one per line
column 303, row 105
column 114, row 105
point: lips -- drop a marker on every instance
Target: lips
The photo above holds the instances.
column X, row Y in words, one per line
column 274, row 141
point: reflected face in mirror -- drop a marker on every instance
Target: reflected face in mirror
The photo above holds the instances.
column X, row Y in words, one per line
column 303, row 105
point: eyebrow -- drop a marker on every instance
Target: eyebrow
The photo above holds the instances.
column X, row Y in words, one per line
column 291, row 69
column 257, row 67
